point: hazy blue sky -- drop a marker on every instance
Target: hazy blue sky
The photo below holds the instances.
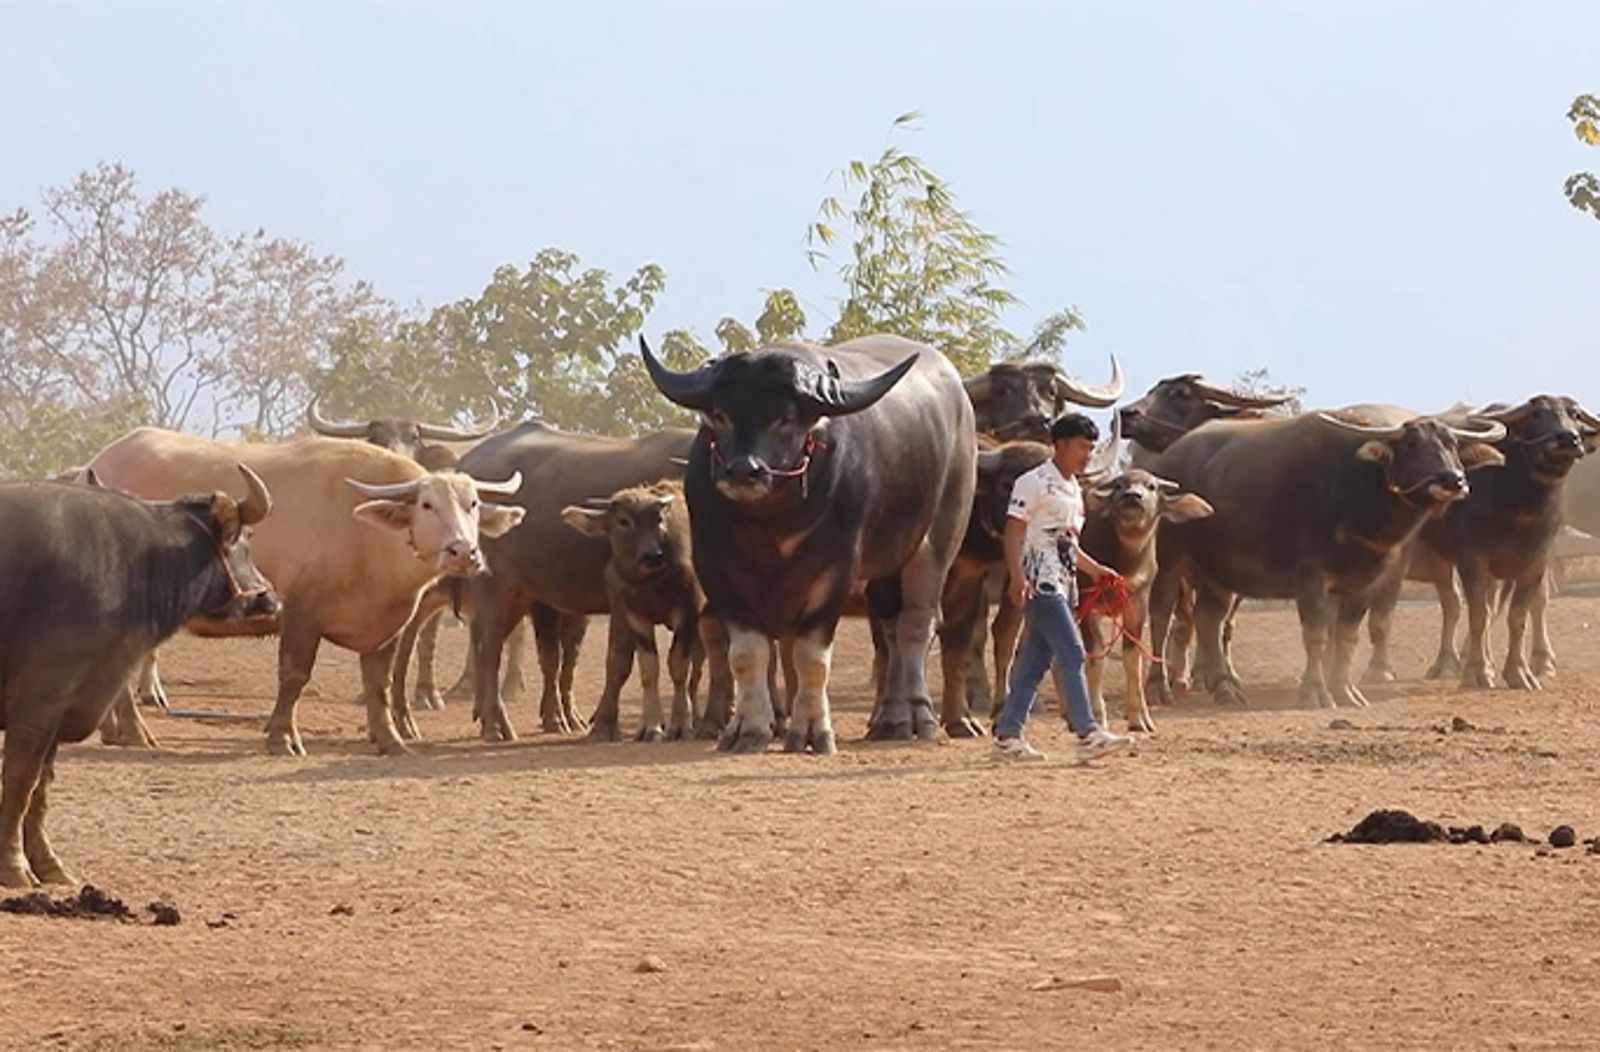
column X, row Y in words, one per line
column 1364, row 197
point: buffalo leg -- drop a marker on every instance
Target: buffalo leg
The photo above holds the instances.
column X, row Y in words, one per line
column 681, row 667
column 1134, row 707
column 26, row 748
column 513, row 683
column 1210, row 611
column 124, row 724
column 427, row 696
column 1094, row 669
column 907, row 707
column 718, row 712
column 492, row 621
column 1380, row 623
column 151, row 691
column 35, row 845
column 1346, row 632
column 605, row 725
column 652, row 721
column 572, row 629
column 749, row 657
column 1181, row 639
column 1544, row 656
column 1311, row 601
column 1164, row 593
column 1479, row 588
column 979, row 697
column 962, row 610
column 1447, row 664
column 298, row 642
column 783, row 701
column 1523, row 597
column 377, row 672
column 1006, row 630
column 810, row 724
column 547, row 625
column 400, row 702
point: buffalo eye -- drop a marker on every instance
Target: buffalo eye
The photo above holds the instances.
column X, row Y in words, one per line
column 427, row 505
column 624, row 522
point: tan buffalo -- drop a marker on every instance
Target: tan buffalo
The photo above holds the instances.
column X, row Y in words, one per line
column 358, row 535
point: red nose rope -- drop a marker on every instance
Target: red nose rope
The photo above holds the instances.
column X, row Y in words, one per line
column 234, row 587
column 812, row 444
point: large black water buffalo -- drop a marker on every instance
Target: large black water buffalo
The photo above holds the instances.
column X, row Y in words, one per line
column 90, row 582
column 1019, row 400
column 1502, row 531
column 1306, row 508
column 545, row 561
column 816, row 467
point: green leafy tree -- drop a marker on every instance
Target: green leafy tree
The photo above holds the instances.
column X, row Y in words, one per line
column 921, row 267
column 1582, row 188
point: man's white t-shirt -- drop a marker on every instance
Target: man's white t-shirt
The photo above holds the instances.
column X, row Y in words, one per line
column 1052, row 506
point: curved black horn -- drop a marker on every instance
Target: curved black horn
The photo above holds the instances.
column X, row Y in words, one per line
column 332, row 428
column 831, row 396
column 691, row 390
column 478, row 430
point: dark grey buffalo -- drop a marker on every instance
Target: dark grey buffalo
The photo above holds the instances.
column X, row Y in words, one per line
column 1179, row 404
column 817, row 467
column 649, row 581
column 545, row 561
column 1502, row 532
column 1306, row 508
column 1583, row 497
column 1019, row 400
column 94, row 580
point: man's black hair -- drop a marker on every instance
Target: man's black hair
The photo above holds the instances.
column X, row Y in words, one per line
column 1073, row 425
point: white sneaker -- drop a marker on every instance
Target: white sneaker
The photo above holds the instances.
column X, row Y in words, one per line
column 1015, row 749
column 1098, row 742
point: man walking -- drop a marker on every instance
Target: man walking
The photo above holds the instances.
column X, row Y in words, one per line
column 1041, row 543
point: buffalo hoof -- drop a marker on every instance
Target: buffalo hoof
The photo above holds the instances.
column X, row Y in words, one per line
column 1446, row 666
column 155, row 697
column 1544, row 664
column 285, row 743
column 556, row 723
column 604, row 731
column 137, row 736
column 497, row 729
column 1141, row 723
column 1377, row 674
column 1475, row 677
column 406, row 726
column 1349, row 694
column 965, row 727
column 17, row 875
column 745, row 736
column 1228, row 692
column 680, row 733
column 389, row 744
column 707, row 730
column 891, row 731
column 653, row 733
column 1521, row 679
column 575, row 722
column 51, row 871
column 461, row 692
column 513, row 687
column 814, row 735
column 428, row 699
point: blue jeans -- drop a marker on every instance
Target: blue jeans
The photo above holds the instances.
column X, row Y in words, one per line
column 1050, row 635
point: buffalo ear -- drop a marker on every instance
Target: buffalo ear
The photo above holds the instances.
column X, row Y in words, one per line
column 1375, row 451
column 591, row 522
column 1184, row 507
column 494, row 520
column 392, row 515
column 1590, row 437
column 1480, row 455
column 1095, row 497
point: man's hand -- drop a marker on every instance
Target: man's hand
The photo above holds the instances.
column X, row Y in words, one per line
column 1019, row 591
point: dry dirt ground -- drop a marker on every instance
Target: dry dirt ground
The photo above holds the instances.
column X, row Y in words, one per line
column 891, row 897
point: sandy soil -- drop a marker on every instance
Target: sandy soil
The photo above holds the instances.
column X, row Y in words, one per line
column 893, row 897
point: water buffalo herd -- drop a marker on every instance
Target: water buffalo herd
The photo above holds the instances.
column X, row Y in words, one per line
column 865, row 478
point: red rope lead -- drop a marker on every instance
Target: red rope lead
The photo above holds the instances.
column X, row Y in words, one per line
column 1110, row 597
